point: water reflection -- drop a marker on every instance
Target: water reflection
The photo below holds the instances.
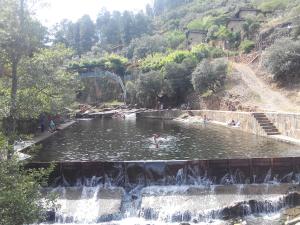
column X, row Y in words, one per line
column 109, row 139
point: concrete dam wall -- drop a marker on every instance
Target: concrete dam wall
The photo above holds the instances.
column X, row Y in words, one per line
column 223, row 171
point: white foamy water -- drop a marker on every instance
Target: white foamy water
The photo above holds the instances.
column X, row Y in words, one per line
column 166, row 205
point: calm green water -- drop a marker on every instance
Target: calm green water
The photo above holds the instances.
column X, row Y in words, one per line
column 115, row 140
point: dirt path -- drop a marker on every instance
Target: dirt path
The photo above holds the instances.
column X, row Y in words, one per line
column 270, row 100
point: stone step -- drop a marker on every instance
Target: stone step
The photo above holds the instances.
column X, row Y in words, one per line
column 273, row 133
column 265, row 121
column 268, row 126
column 271, row 130
column 259, row 116
column 265, row 124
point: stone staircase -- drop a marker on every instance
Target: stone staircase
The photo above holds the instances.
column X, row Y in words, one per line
column 266, row 124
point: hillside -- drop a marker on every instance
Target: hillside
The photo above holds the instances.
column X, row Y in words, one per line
column 175, row 54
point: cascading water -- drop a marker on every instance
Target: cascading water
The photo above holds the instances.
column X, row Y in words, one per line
column 185, row 200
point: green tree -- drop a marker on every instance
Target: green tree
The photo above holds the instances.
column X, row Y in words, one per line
column 282, row 59
column 209, row 75
column 149, row 86
column 178, row 78
column 247, row 46
column 250, row 27
column 108, row 27
column 131, row 92
column 86, row 33
column 146, row 45
column 20, row 36
column 20, row 198
column 45, row 84
column 127, row 27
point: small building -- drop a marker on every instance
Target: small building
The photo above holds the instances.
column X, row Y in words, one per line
column 243, row 13
column 235, row 24
column 195, row 37
column 116, row 49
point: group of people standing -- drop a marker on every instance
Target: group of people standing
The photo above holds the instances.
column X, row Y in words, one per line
column 48, row 122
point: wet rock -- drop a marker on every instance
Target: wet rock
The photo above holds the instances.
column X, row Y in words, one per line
column 50, row 216
column 291, row 214
column 295, row 221
column 109, row 217
column 181, row 217
column 149, row 214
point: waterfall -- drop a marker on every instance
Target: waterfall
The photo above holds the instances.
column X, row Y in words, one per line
column 187, row 199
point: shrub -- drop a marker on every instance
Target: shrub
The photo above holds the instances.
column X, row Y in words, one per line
column 158, row 60
column 274, row 5
column 153, row 62
column 209, row 75
column 282, row 59
column 178, row 56
column 202, row 51
column 146, row 45
column 201, row 24
column 174, row 38
column 247, row 46
column 21, row 201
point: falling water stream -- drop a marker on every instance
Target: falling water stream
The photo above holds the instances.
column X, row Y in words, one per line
column 177, row 200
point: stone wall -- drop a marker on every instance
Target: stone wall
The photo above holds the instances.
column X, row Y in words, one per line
column 195, row 38
column 247, row 122
column 235, row 25
column 288, row 124
column 247, row 13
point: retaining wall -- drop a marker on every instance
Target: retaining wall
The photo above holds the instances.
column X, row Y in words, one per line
column 247, row 122
column 288, row 124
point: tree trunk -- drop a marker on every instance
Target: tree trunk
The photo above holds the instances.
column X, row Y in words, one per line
column 13, row 95
column 13, row 110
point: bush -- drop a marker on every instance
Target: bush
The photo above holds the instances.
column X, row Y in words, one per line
column 204, row 51
column 271, row 5
column 178, row 56
column 146, row 45
column 21, row 201
column 201, row 24
column 153, row 62
column 282, row 59
column 158, row 60
column 174, row 38
column 247, row 46
column 209, row 75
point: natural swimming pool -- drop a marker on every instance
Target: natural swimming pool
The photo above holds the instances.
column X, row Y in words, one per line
column 118, row 140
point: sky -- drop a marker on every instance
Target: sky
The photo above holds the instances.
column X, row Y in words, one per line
column 56, row 10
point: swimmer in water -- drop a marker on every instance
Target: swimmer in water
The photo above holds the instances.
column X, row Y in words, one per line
column 155, row 136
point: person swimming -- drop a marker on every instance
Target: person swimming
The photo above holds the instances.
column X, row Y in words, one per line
column 155, row 137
